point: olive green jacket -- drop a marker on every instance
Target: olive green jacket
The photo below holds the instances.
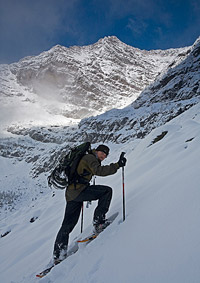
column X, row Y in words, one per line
column 89, row 166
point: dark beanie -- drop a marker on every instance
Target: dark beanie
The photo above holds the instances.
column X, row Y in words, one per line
column 103, row 148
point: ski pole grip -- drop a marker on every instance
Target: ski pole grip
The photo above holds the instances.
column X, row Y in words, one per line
column 122, row 154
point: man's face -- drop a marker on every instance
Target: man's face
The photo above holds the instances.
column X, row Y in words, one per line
column 101, row 155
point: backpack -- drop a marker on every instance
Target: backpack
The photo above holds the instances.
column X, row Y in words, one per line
column 65, row 173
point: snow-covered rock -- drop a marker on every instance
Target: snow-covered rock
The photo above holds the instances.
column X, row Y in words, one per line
column 79, row 82
column 172, row 93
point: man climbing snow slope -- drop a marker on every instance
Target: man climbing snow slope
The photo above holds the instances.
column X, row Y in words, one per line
column 89, row 166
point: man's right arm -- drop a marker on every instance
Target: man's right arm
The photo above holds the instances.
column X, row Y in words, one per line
column 99, row 170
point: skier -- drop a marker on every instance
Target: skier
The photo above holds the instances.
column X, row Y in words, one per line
column 89, row 166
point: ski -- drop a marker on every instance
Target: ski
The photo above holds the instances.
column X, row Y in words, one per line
column 93, row 236
column 72, row 250
column 44, row 272
column 87, row 239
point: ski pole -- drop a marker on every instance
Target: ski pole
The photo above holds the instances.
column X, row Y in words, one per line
column 123, row 190
column 82, row 218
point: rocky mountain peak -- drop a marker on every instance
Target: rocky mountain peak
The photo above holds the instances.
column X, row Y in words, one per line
column 169, row 95
column 78, row 82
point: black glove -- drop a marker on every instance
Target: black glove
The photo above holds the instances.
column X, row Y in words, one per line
column 122, row 160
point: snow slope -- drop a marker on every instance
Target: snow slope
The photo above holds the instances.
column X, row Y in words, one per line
column 160, row 238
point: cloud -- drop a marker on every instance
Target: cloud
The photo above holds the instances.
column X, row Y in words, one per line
column 158, row 23
column 184, row 29
column 30, row 26
column 137, row 27
column 144, row 9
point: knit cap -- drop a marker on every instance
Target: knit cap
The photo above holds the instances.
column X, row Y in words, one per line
column 103, row 148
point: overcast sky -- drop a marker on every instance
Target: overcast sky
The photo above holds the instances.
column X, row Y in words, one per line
column 28, row 27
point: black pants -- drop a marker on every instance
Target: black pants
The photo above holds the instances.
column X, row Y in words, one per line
column 72, row 212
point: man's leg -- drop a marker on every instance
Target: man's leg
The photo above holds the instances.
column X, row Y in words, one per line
column 101, row 193
column 71, row 217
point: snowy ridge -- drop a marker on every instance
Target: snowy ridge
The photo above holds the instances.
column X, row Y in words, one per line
column 78, row 82
column 170, row 95
column 159, row 241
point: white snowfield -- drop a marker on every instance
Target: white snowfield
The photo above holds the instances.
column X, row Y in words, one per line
column 159, row 242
